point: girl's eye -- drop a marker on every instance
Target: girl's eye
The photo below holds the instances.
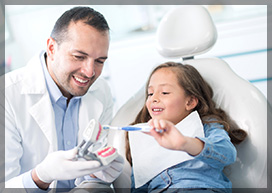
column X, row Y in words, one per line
column 165, row 93
column 149, row 94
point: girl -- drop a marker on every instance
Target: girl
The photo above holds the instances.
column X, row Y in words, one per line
column 179, row 100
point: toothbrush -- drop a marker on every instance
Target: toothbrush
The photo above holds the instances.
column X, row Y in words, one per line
column 128, row 128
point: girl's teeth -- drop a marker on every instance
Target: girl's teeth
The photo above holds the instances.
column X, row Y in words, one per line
column 156, row 110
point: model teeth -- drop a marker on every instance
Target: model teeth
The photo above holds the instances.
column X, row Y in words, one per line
column 80, row 80
column 157, row 110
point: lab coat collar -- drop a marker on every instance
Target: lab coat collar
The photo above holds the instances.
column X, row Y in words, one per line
column 34, row 82
column 45, row 119
column 41, row 110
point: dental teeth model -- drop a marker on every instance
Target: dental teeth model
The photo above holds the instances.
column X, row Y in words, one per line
column 107, row 155
column 91, row 135
column 94, row 133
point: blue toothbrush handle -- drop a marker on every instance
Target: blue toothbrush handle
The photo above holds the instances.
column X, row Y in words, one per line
column 128, row 128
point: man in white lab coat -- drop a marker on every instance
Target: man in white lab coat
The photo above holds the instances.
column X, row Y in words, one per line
column 49, row 102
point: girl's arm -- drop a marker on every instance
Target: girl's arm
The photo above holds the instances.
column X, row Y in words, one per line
column 214, row 149
column 218, row 149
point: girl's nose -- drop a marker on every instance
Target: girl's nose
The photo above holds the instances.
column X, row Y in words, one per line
column 155, row 98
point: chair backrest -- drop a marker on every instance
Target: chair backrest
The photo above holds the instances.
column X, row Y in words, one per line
column 178, row 24
column 185, row 32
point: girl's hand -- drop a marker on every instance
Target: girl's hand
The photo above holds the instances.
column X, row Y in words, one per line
column 168, row 136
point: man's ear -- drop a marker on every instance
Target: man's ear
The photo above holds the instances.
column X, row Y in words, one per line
column 51, row 48
column 191, row 103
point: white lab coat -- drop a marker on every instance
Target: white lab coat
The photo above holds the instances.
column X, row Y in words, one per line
column 30, row 132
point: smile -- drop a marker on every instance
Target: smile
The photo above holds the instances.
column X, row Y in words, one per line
column 80, row 80
column 157, row 110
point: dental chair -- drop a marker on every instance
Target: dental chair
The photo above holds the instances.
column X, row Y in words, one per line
column 188, row 31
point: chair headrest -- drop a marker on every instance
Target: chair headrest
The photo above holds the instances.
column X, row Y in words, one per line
column 186, row 31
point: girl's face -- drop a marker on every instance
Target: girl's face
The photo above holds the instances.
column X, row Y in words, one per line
column 166, row 98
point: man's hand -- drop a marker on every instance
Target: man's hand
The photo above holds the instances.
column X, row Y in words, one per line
column 111, row 171
column 60, row 165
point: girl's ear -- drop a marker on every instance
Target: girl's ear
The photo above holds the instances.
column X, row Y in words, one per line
column 191, row 103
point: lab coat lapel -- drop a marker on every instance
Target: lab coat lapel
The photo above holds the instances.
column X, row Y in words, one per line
column 42, row 110
column 90, row 108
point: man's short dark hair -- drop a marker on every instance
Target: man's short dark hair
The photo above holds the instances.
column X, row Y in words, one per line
column 86, row 14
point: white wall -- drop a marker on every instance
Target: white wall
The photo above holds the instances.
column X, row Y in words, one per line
column 131, row 58
column 29, row 28
column 241, row 44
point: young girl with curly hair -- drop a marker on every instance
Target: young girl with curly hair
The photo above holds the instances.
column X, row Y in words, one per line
column 191, row 140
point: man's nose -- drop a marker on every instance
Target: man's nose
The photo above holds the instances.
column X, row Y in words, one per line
column 88, row 68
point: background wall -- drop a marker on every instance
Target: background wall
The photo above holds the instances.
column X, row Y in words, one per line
column 242, row 41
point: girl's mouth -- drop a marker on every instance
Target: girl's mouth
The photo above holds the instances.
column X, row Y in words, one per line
column 157, row 110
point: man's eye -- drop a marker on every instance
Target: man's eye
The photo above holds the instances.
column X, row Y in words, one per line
column 100, row 61
column 79, row 57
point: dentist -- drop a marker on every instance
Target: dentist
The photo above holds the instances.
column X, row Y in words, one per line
column 49, row 102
